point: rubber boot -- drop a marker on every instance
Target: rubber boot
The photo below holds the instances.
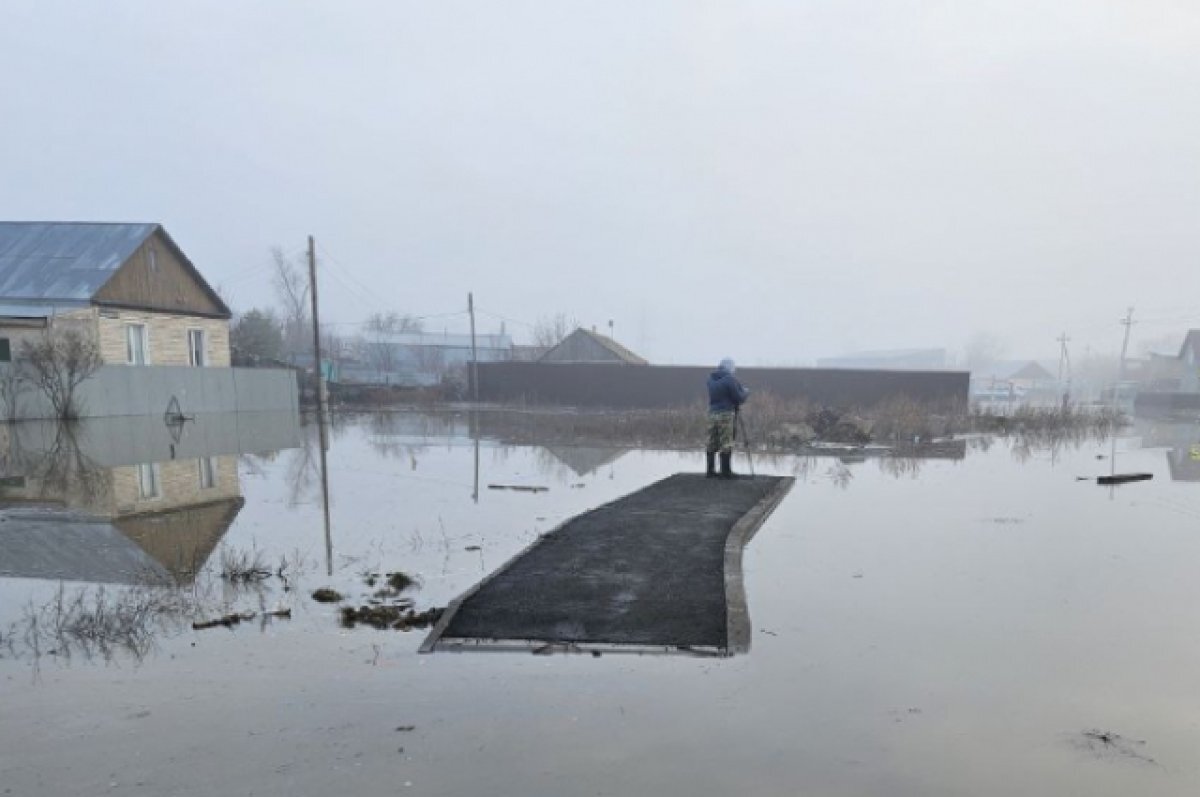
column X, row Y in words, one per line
column 727, row 465
column 711, row 460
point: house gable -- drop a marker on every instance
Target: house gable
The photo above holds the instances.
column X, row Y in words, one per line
column 582, row 346
column 158, row 277
column 1190, row 351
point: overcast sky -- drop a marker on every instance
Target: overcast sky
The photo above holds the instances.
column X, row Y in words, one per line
column 771, row 181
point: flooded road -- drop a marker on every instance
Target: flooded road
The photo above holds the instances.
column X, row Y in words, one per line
column 987, row 625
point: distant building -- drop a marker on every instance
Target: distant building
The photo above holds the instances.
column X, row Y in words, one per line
column 128, row 285
column 1012, row 379
column 889, row 360
column 1189, row 359
column 584, row 346
column 529, row 354
column 418, row 358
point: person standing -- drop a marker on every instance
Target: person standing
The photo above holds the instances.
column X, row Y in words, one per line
column 725, row 395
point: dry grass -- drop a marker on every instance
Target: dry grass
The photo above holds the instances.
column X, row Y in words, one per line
column 770, row 423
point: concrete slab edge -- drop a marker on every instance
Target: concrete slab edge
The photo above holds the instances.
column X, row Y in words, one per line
column 738, row 631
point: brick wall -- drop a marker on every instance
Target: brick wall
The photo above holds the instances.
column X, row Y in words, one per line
column 179, row 485
column 167, row 337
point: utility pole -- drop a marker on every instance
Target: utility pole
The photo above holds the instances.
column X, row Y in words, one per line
column 1064, row 359
column 324, row 441
column 316, row 318
column 1127, row 322
column 1063, row 340
column 474, row 351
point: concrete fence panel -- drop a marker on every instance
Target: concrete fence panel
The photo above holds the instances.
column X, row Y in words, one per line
column 117, row 390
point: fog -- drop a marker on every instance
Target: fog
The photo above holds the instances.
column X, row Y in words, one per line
column 771, row 181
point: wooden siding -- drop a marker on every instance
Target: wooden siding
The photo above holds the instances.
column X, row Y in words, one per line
column 161, row 283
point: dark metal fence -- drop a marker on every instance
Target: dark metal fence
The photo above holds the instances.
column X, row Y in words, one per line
column 654, row 386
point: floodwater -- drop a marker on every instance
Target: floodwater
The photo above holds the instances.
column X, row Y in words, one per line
column 984, row 625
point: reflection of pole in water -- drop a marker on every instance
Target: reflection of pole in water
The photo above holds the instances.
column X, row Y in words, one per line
column 1112, row 466
column 475, row 438
column 325, row 502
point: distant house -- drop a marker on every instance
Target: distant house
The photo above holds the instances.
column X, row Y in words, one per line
column 1011, row 379
column 419, row 358
column 1189, row 359
column 128, row 285
column 583, row 346
column 889, row 360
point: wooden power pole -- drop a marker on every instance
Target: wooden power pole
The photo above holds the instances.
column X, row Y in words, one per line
column 1127, row 321
column 324, row 440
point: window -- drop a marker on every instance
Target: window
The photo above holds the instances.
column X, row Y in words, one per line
column 148, row 486
column 136, row 345
column 208, row 472
column 196, row 349
column 5, row 351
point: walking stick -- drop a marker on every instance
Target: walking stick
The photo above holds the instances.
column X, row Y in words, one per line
column 738, row 422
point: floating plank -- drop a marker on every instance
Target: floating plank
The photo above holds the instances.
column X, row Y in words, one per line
column 1123, row 478
column 656, row 571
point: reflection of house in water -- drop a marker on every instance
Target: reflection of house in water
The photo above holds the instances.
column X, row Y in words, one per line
column 1182, row 441
column 124, row 500
column 584, row 460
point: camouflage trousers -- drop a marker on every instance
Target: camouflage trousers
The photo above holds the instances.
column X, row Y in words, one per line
column 720, row 431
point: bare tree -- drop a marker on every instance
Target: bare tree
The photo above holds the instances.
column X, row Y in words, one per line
column 14, row 383
column 291, row 288
column 377, row 347
column 392, row 323
column 430, row 360
column 983, row 349
column 58, row 362
column 550, row 330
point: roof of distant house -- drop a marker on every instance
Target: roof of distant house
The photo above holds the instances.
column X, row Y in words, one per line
column 620, row 353
column 1190, row 340
column 451, row 340
column 51, row 263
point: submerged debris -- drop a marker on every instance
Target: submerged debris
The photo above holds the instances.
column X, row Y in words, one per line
column 399, row 618
column 521, row 488
column 230, row 620
column 1106, row 744
column 327, row 595
column 1123, row 478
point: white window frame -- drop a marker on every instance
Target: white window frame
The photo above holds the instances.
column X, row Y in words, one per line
column 207, row 467
column 145, row 335
column 203, row 347
column 149, row 481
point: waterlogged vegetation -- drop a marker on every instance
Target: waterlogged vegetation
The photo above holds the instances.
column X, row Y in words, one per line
column 772, row 424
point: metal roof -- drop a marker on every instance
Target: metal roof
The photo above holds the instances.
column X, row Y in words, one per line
column 64, row 260
column 37, row 309
column 451, row 340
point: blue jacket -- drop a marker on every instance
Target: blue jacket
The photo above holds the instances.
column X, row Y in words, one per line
column 725, row 393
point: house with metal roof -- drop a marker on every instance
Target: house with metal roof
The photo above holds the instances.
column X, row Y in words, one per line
column 128, row 285
column 586, row 346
